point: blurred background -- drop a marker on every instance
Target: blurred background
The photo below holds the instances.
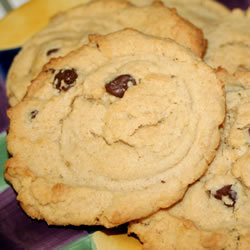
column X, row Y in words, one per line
column 236, row 3
column 7, row 5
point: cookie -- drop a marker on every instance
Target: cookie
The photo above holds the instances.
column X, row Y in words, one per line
column 114, row 131
column 199, row 12
column 229, row 42
column 69, row 31
column 214, row 213
column 26, row 14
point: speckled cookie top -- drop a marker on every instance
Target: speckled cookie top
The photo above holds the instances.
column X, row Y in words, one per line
column 69, row 30
column 127, row 121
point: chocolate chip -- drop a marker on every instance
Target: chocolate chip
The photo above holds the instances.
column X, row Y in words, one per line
column 226, row 191
column 119, row 85
column 65, row 79
column 33, row 114
column 162, row 181
column 52, row 51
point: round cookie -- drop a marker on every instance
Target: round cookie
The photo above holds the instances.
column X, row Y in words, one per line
column 69, row 30
column 214, row 213
column 114, row 131
column 229, row 42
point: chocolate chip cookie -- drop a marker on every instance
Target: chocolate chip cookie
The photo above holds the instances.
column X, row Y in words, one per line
column 214, row 213
column 68, row 31
column 114, row 131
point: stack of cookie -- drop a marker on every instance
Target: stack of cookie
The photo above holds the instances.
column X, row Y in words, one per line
column 116, row 118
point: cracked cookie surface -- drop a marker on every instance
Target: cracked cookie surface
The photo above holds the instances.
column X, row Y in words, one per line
column 68, row 31
column 214, row 213
column 114, row 131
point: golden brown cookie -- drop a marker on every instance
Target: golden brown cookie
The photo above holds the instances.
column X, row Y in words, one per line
column 114, row 131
